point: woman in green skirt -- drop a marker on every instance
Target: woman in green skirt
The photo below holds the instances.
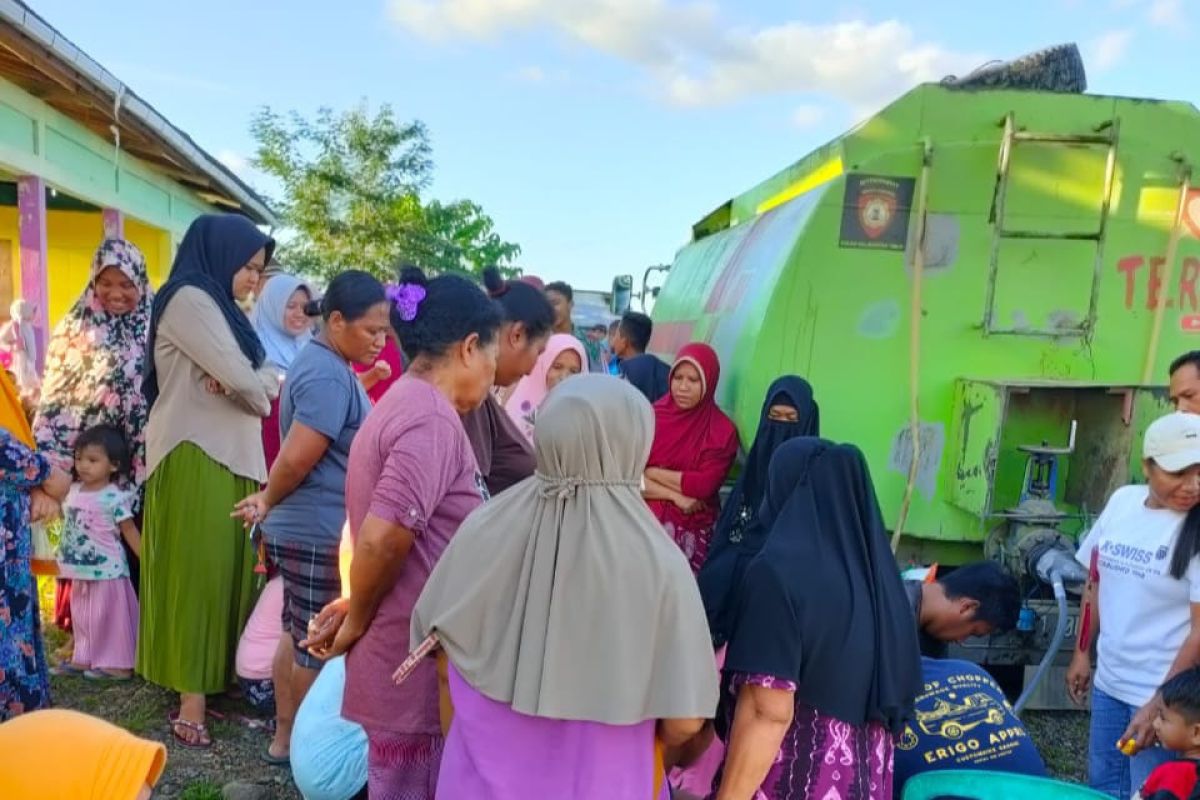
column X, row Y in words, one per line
column 208, row 391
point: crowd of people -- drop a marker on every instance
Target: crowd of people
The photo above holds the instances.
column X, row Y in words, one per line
column 292, row 499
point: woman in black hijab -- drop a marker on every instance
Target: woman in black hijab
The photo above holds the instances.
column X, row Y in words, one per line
column 208, row 392
column 788, row 411
column 823, row 664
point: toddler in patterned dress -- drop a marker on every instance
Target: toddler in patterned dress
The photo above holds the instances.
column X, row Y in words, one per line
column 97, row 514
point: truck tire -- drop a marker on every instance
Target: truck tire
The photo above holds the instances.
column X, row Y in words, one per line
column 1054, row 69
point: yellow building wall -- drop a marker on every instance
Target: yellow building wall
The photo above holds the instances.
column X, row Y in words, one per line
column 71, row 241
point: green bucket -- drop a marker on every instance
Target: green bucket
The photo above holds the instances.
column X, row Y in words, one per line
column 968, row 784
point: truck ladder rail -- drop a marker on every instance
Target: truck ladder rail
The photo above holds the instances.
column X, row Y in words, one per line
column 1007, row 145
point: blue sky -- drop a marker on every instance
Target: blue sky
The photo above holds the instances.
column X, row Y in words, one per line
column 596, row 131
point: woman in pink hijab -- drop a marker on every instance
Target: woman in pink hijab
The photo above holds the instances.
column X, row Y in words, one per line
column 563, row 357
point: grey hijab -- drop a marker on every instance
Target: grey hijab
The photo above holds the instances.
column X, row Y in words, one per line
column 563, row 597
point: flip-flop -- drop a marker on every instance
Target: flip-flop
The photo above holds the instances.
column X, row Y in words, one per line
column 203, row 739
column 67, row 668
column 273, row 760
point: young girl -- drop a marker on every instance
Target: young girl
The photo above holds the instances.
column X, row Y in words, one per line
column 18, row 340
column 97, row 515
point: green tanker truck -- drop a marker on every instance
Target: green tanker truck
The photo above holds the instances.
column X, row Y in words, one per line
column 985, row 287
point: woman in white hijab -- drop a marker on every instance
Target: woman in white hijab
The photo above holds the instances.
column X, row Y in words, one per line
column 577, row 644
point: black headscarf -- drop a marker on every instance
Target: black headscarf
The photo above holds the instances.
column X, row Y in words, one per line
column 739, row 534
column 648, row 373
column 214, row 249
column 823, row 604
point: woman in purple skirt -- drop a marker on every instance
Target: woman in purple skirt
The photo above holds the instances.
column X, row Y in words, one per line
column 823, row 663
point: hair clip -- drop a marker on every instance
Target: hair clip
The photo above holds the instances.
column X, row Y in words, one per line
column 406, row 298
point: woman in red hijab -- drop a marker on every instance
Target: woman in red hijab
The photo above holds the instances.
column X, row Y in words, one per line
column 694, row 447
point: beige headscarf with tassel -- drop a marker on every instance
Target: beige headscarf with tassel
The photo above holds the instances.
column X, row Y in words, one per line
column 563, row 596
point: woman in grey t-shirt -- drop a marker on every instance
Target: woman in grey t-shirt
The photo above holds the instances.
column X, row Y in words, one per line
column 302, row 509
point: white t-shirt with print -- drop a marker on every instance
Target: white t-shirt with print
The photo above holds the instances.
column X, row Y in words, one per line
column 1145, row 614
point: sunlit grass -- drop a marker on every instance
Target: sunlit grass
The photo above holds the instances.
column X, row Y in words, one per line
column 202, row 790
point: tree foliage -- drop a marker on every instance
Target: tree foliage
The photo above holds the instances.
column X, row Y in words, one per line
column 352, row 187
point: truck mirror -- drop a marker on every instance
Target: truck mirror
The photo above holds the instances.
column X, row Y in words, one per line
column 622, row 294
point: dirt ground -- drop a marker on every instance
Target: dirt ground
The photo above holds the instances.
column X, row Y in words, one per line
column 238, row 738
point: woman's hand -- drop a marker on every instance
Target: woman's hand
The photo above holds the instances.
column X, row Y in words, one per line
column 213, row 386
column 42, row 506
column 1079, row 677
column 57, row 484
column 328, row 634
column 1141, row 727
column 382, row 370
column 688, row 505
column 253, row 509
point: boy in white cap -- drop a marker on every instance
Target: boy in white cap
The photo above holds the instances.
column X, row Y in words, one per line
column 1141, row 604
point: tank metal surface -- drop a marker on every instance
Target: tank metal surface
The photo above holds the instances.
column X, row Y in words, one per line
column 1049, row 244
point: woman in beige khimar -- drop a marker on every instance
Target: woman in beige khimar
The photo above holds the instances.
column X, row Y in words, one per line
column 577, row 645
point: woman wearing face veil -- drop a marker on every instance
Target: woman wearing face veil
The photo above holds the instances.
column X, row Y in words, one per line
column 789, row 411
column 823, row 665
column 572, row 625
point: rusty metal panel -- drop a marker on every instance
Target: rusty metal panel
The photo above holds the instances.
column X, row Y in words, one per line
column 978, row 412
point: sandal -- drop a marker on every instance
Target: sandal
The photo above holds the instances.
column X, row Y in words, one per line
column 202, row 739
column 274, row 760
column 67, row 668
column 105, row 675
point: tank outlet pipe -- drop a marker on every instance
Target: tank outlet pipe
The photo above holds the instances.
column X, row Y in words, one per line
column 1057, row 568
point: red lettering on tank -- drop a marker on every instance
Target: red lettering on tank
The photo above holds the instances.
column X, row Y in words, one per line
column 1187, row 282
column 1154, row 285
column 1130, row 265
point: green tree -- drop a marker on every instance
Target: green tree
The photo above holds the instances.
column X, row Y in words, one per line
column 352, row 187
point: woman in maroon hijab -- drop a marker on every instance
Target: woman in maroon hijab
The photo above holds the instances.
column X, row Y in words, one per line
column 694, row 447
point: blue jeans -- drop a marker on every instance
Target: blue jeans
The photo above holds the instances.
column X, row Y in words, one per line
column 1109, row 770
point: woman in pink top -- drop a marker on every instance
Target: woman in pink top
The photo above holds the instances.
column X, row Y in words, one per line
column 578, row 648
column 411, row 480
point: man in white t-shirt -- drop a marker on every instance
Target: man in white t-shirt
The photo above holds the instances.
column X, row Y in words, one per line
column 1141, row 598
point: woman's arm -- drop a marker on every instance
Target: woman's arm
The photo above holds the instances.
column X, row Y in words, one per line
column 668, row 478
column 379, row 554
column 26, row 468
column 760, row 721
column 1141, row 727
column 690, row 747
column 445, row 703
column 195, row 325
column 705, row 479
column 653, row 490
column 298, row 456
column 1079, row 673
column 379, row 371
column 129, row 533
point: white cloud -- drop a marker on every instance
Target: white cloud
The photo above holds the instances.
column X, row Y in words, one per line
column 807, row 116
column 1108, row 50
column 695, row 57
column 1166, row 13
column 238, row 163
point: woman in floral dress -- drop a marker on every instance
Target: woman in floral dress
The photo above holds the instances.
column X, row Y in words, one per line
column 28, row 482
column 94, row 368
